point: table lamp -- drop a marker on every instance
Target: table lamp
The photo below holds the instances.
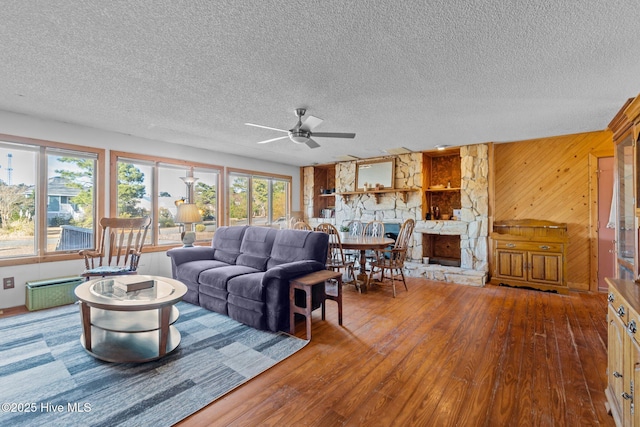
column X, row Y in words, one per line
column 187, row 214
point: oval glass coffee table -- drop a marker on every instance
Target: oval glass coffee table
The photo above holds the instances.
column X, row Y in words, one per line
column 130, row 318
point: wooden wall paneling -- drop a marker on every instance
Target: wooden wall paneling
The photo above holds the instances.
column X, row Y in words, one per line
column 548, row 178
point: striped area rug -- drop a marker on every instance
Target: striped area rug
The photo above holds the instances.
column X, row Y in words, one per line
column 47, row 378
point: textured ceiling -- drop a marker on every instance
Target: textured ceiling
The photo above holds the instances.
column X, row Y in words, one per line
column 411, row 74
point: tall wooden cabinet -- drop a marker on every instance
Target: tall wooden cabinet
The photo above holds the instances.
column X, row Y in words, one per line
column 625, row 126
column 623, row 317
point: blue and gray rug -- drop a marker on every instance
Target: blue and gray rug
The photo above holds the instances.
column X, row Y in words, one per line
column 47, row 378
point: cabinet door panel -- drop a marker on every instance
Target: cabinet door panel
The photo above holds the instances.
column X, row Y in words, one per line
column 545, row 267
column 615, row 367
column 510, row 264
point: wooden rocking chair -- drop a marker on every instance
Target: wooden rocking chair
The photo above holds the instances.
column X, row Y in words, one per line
column 119, row 249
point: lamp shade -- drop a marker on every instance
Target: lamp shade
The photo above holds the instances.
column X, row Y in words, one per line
column 188, row 214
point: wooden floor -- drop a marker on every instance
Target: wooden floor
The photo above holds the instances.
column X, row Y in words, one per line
column 438, row 355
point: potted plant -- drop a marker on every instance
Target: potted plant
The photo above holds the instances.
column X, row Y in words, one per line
column 344, row 231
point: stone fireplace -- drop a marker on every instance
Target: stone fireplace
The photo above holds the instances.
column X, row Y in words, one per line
column 470, row 233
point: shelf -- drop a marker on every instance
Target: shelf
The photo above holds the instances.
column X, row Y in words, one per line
column 327, row 195
column 377, row 193
column 126, row 347
column 441, row 190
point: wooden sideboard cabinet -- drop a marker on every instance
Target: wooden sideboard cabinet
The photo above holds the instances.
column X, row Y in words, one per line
column 530, row 253
column 623, row 366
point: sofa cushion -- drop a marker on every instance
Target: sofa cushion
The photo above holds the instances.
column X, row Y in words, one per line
column 298, row 245
column 226, row 242
column 256, row 247
column 248, row 286
column 190, row 271
column 218, row 277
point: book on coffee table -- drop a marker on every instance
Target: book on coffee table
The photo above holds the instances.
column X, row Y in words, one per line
column 137, row 286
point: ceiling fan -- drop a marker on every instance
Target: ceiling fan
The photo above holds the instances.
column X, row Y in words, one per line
column 301, row 132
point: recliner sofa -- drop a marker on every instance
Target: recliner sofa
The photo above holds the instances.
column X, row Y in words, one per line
column 245, row 272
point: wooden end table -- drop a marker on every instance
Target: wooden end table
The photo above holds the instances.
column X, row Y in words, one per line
column 306, row 284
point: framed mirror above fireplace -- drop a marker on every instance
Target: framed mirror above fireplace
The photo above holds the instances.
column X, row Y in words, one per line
column 375, row 172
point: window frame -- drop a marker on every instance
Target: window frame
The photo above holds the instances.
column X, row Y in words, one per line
column 251, row 174
column 156, row 161
column 41, row 253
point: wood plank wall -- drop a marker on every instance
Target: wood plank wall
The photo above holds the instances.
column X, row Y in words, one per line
column 548, row 178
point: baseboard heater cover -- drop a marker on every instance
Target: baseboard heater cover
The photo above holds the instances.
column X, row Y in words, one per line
column 49, row 293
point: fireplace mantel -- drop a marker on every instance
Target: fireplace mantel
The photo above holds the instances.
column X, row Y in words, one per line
column 452, row 228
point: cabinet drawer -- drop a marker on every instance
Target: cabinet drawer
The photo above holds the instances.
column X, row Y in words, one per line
column 619, row 305
column 529, row 246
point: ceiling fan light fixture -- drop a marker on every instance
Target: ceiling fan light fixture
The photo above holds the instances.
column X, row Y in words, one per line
column 302, row 132
column 299, row 136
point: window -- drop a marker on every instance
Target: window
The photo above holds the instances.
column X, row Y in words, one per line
column 53, row 220
column 151, row 186
column 70, row 200
column 258, row 199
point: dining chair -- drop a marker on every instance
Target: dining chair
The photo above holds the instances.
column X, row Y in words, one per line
column 119, row 248
column 336, row 259
column 355, row 229
column 392, row 260
column 374, row 229
column 301, row 225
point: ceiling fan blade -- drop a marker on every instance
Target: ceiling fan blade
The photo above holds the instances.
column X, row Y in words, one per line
column 310, row 122
column 273, row 139
column 266, row 127
column 312, row 144
column 334, row 135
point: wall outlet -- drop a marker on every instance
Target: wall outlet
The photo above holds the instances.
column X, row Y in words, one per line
column 8, row 283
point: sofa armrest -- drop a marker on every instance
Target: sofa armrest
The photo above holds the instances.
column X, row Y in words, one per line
column 181, row 255
column 275, row 283
column 290, row 270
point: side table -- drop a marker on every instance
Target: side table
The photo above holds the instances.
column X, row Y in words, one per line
column 306, row 284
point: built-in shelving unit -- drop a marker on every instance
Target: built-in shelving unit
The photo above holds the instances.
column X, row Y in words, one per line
column 441, row 180
column 324, row 179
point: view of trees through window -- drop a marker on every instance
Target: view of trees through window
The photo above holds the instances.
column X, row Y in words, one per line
column 135, row 188
column 17, row 200
column 269, row 200
column 68, row 212
column 70, row 201
column 65, row 210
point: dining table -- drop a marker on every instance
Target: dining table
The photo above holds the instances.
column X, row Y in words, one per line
column 363, row 244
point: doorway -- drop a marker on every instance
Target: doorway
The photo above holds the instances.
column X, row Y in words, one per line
column 606, row 225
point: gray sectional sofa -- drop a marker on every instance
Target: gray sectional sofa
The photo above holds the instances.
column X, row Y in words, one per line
column 245, row 272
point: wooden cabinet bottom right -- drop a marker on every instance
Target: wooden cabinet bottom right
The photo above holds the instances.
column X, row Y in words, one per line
column 623, row 365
